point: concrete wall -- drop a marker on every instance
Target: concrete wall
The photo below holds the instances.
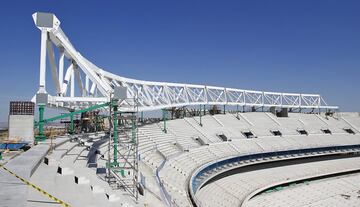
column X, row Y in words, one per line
column 21, row 128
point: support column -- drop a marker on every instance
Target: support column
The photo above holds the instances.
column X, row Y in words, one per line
column 87, row 85
column 115, row 134
column 42, row 80
column 72, row 82
column 142, row 117
column 164, row 119
column 61, row 68
column 224, row 109
column 41, row 136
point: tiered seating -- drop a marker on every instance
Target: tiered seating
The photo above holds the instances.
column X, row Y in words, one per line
column 64, row 187
column 183, row 155
column 312, row 123
column 165, row 142
column 246, row 146
column 241, row 185
column 185, row 134
column 353, row 119
column 290, row 124
column 64, row 174
column 194, row 121
column 231, row 120
column 223, row 150
column 156, row 145
column 178, row 169
column 148, row 151
column 262, row 124
column 272, row 144
column 210, row 127
column 338, row 191
column 233, row 125
column 336, row 125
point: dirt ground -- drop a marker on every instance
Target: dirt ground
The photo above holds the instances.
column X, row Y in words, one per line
column 3, row 135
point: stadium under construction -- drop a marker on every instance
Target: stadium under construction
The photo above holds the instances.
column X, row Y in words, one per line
column 212, row 146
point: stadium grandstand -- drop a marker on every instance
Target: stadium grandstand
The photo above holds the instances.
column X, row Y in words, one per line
column 213, row 146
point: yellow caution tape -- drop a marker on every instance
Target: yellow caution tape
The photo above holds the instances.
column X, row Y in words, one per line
column 36, row 188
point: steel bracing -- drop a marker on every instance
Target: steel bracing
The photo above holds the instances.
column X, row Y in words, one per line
column 95, row 85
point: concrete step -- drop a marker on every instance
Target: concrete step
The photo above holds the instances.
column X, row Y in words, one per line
column 112, row 197
column 65, row 171
column 81, row 180
column 97, row 189
column 50, row 161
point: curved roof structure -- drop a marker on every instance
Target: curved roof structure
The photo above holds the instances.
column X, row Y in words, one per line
column 96, row 85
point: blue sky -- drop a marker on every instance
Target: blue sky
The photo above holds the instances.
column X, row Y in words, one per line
column 288, row 46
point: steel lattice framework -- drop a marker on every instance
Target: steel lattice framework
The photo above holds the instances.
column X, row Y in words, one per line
column 95, row 85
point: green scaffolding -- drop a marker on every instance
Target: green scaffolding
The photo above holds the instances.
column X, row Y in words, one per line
column 40, row 124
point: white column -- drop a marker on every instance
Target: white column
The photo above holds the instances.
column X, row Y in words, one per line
column 61, row 66
column 42, row 81
column 87, row 85
column 93, row 88
column 66, row 80
column 72, row 82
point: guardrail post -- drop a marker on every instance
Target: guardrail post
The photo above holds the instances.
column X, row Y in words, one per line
column 164, row 119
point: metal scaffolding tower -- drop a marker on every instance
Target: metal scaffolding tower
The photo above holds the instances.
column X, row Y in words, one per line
column 123, row 146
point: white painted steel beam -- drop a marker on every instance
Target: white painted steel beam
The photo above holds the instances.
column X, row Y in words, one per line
column 54, row 74
column 42, row 81
column 61, row 67
column 66, row 79
column 150, row 95
column 72, row 82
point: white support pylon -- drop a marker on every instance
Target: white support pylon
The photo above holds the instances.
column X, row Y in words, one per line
column 42, row 81
column 61, row 68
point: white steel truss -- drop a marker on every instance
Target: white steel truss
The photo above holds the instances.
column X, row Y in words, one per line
column 95, row 85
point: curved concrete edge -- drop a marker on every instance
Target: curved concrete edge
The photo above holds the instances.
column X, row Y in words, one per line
column 191, row 192
column 254, row 193
column 259, row 162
